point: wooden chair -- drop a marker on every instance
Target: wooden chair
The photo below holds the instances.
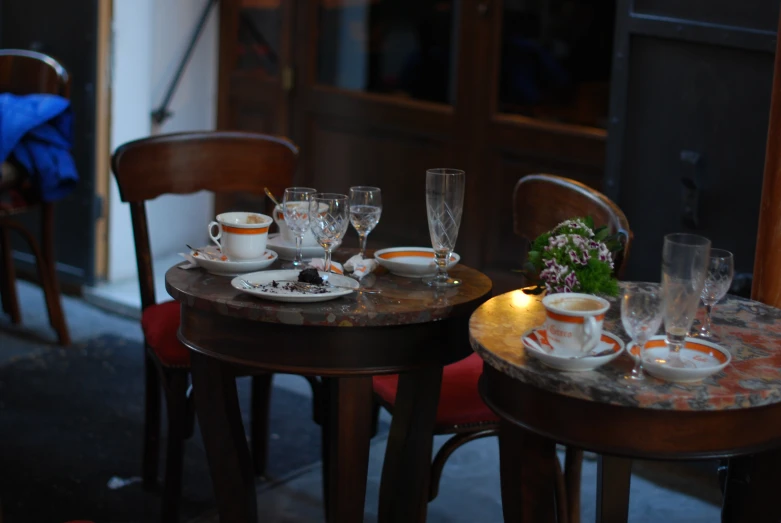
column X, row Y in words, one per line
column 28, row 72
column 223, row 162
column 540, row 202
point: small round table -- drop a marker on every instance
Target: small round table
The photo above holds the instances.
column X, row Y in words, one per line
column 409, row 328
column 733, row 413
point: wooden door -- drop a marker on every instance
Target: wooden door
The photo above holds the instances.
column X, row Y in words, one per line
column 255, row 75
column 541, row 89
column 692, row 83
column 378, row 100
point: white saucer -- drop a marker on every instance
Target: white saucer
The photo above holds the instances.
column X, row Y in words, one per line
column 568, row 363
column 279, row 293
column 707, row 357
column 222, row 267
column 287, row 251
column 411, row 262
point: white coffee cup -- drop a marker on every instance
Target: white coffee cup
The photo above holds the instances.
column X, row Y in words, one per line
column 241, row 235
column 286, row 234
column 573, row 321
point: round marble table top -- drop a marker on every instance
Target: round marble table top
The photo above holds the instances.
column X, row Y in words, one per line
column 403, row 301
column 750, row 330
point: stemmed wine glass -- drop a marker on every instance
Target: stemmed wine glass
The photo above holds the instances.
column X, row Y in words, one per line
column 295, row 205
column 684, row 265
column 329, row 217
column 365, row 210
column 721, row 268
column 444, row 206
column 641, row 314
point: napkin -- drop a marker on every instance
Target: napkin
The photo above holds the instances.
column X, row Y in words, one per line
column 319, row 264
column 190, row 261
column 360, row 266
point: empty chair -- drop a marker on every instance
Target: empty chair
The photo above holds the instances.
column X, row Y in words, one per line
column 222, row 162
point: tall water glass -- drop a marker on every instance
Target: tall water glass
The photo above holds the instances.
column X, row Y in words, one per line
column 295, row 205
column 444, row 206
column 329, row 217
column 684, row 266
column 718, row 279
column 641, row 315
column 365, row 211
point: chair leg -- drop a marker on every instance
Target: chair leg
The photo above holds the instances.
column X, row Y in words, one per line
column 259, row 426
column 51, row 285
column 176, row 401
column 573, row 465
column 151, row 457
column 446, row 450
column 8, row 277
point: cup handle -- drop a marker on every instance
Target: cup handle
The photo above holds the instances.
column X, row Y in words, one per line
column 216, row 238
column 592, row 332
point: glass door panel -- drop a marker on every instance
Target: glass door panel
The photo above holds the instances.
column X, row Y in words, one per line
column 403, row 48
column 555, row 60
column 259, row 36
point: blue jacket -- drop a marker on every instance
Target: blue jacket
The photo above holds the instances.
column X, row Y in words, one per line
column 37, row 130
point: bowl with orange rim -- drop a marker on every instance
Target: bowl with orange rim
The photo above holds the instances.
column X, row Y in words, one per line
column 411, row 262
column 700, row 359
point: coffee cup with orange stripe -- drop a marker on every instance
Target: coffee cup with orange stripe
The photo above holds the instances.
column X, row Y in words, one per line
column 573, row 321
column 241, row 235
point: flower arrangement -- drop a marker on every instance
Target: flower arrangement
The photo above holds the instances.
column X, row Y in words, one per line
column 574, row 257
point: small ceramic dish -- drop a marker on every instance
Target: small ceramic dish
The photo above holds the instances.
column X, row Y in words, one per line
column 220, row 266
column 411, row 262
column 703, row 359
column 569, row 363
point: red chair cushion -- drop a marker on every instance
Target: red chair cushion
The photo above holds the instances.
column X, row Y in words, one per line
column 160, row 323
column 459, row 401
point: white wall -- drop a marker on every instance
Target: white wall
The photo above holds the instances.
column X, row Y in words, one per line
column 150, row 38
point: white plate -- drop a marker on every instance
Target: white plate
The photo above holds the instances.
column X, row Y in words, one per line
column 279, row 294
column 706, row 357
column 231, row 268
column 411, row 262
column 567, row 363
column 287, row 251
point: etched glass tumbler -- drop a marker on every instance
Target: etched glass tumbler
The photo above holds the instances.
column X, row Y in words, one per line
column 684, row 266
column 444, row 207
column 329, row 217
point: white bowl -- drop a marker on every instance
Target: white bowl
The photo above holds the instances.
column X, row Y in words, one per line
column 411, row 262
column 570, row 364
column 707, row 357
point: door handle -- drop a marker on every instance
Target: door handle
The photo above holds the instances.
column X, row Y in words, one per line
column 692, row 185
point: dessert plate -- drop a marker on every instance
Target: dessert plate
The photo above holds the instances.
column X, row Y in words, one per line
column 703, row 358
column 569, row 363
column 221, row 266
column 411, row 262
column 271, row 288
column 287, row 251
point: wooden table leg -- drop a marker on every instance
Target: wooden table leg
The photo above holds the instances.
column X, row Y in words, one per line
column 528, row 475
column 406, row 470
column 346, row 438
column 613, row 478
column 753, row 485
column 230, row 463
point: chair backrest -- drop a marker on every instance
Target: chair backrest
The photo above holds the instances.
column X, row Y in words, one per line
column 542, row 201
column 184, row 163
column 28, row 72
